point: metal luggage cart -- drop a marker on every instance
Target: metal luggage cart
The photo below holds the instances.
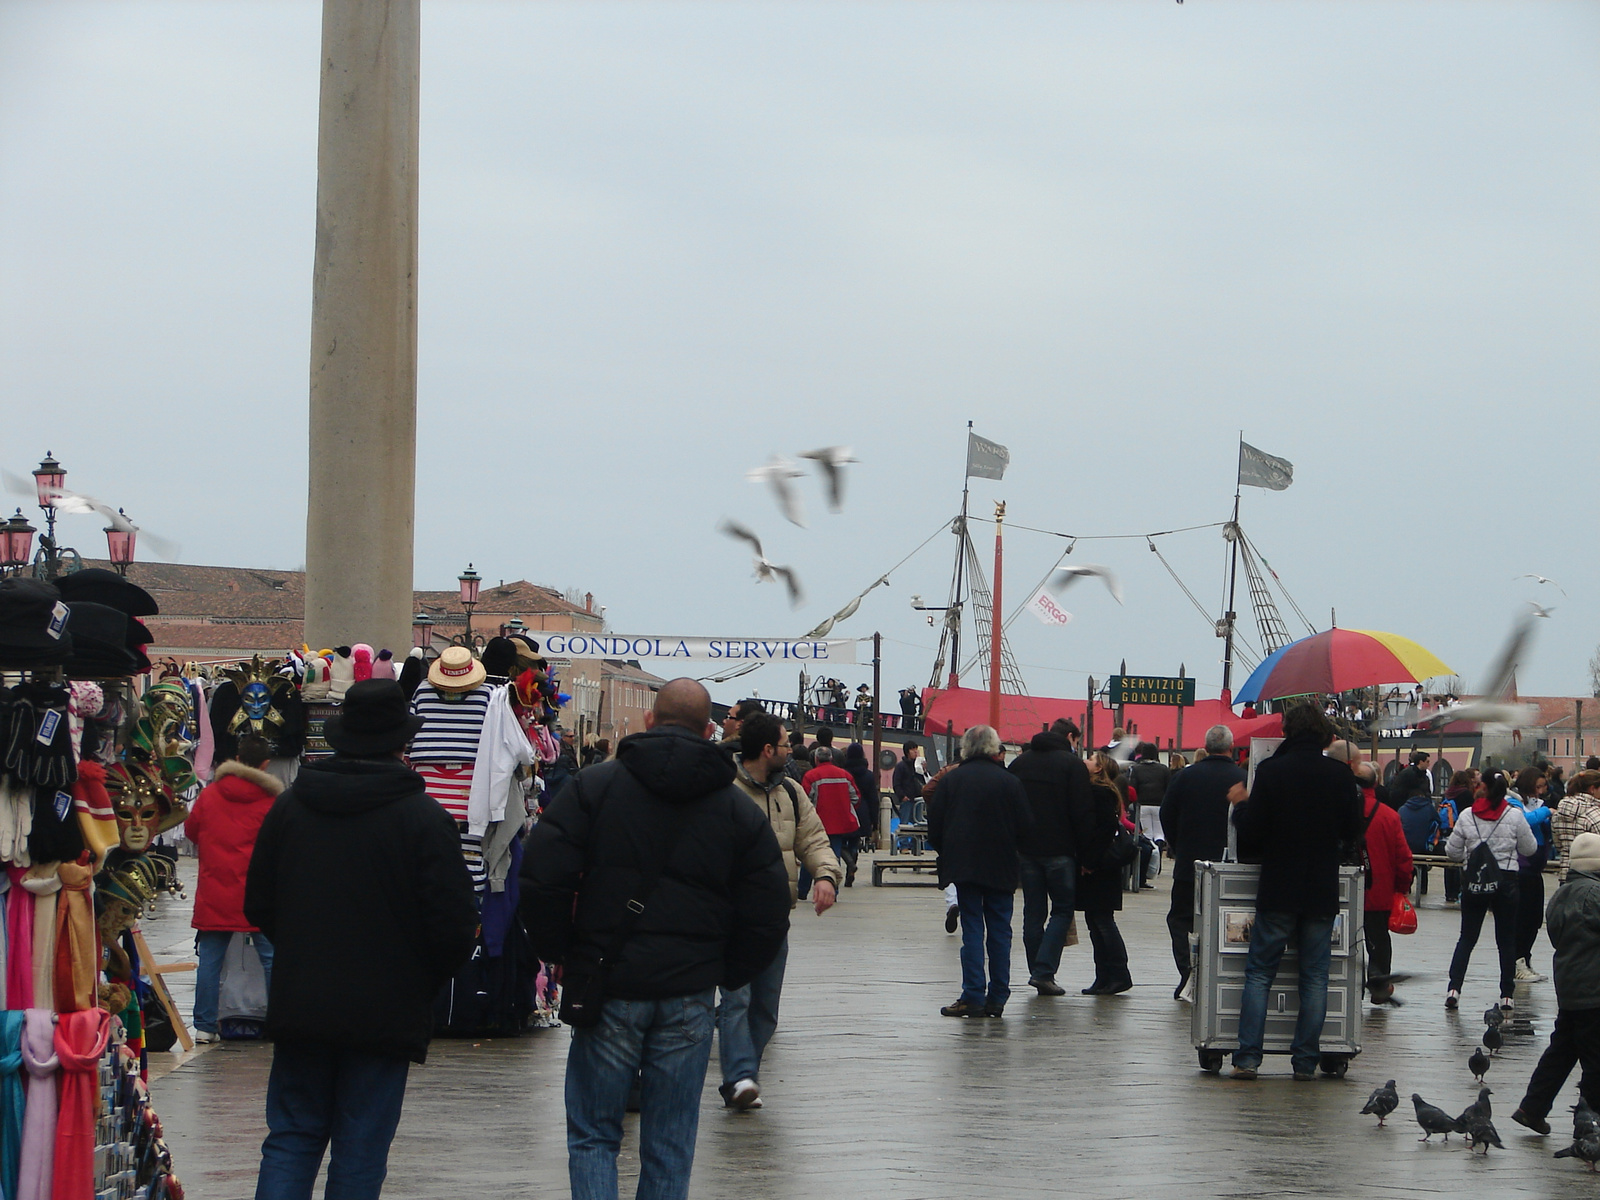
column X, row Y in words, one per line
column 1225, row 906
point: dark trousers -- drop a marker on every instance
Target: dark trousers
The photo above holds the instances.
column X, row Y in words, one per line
column 1452, row 884
column 1380, row 947
column 317, row 1095
column 1575, row 1039
column 1180, row 923
column 1530, row 911
column 1473, row 910
column 1110, row 951
column 1048, row 886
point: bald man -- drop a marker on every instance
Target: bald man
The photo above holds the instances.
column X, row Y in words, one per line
column 679, row 888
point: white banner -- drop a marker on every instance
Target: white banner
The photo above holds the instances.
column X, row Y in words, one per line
column 1047, row 610
column 695, row 649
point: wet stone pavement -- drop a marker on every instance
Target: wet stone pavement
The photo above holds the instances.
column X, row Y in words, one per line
column 870, row 1092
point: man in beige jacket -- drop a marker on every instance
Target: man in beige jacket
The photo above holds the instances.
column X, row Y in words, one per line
column 747, row 1016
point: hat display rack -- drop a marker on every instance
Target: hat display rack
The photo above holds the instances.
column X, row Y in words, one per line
column 95, row 763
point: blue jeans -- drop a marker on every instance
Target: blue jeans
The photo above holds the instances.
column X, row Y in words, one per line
column 316, row 1094
column 746, row 1019
column 667, row 1043
column 1047, row 883
column 985, row 916
column 211, row 947
column 1269, row 935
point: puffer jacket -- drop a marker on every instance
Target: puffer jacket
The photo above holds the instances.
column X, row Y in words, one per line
column 1386, row 851
column 223, row 825
column 1507, row 837
column 1573, row 920
column 801, row 837
column 716, row 915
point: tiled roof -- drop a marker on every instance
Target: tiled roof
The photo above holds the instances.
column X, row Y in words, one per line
column 617, row 669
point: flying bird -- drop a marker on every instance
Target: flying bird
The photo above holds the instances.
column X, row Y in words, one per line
column 75, row 502
column 830, row 461
column 1478, row 1064
column 1496, row 706
column 1540, row 611
column 1542, row 579
column 1433, row 1120
column 766, row 572
column 777, row 475
column 1383, row 1101
column 1064, row 578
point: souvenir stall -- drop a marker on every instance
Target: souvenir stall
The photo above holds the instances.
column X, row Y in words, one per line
column 91, row 770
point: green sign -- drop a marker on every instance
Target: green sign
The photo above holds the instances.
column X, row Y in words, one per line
column 1170, row 690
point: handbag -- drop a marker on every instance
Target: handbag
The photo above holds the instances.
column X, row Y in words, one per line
column 1402, row 917
column 1124, row 848
column 583, row 992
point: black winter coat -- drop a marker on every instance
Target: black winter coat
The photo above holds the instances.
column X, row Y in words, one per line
column 1150, row 780
column 1101, row 889
column 358, row 880
column 1057, row 785
column 1194, row 814
column 1302, row 814
column 977, row 820
column 720, row 909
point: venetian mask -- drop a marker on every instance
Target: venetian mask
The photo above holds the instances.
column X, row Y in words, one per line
column 255, row 700
column 139, row 804
column 258, row 684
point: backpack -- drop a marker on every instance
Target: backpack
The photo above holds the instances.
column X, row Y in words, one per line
column 1481, row 877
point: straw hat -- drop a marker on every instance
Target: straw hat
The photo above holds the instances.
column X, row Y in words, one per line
column 456, row 671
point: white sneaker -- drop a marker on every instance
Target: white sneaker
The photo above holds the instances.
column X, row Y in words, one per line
column 745, row 1094
column 202, row 1038
column 1526, row 974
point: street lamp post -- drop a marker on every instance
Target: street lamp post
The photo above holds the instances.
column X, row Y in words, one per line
column 470, row 582
column 49, row 480
column 16, row 543
column 120, row 545
column 422, row 632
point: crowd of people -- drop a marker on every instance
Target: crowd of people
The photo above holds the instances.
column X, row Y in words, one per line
column 662, row 879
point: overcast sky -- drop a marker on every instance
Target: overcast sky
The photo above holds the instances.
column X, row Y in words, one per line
column 660, row 242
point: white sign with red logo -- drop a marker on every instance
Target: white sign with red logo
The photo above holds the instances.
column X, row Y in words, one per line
column 1047, row 610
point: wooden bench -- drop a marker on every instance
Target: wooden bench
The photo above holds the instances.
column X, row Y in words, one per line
column 924, row 869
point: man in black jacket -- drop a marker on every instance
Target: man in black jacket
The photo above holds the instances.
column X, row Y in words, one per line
column 1301, row 814
column 1057, row 785
column 1194, row 817
column 716, row 914
column 358, row 880
column 977, row 820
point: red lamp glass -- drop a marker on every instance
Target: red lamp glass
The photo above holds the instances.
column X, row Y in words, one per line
column 48, row 480
column 16, row 540
column 120, row 543
column 470, row 582
column 422, row 631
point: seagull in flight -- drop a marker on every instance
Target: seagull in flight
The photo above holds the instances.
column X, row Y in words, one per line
column 1061, row 580
column 830, row 461
column 777, row 474
column 75, row 502
column 766, row 572
column 1542, row 579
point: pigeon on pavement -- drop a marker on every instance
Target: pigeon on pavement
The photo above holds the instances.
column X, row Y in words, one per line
column 830, row 461
column 1483, row 1133
column 1477, row 1110
column 1433, row 1120
column 1478, row 1064
column 1494, row 1016
column 1383, row 1101
column 1584, row 1119
column 1493, row 1038
column 1586, row 1147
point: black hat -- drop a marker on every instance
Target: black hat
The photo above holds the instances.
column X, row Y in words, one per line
column 27, row 611
column 500, row 656
column 99, row 636
column 374, row 719
column 107, row 587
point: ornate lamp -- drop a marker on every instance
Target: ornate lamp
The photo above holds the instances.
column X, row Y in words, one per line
column 49, row 479
column 120, row 545
column 16, row 541
column 422, row 631
column 470, row 582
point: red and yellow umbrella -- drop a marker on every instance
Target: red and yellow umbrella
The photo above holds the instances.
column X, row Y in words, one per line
column 1340, row 660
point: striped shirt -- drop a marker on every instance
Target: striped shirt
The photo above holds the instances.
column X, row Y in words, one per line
column 453, row 727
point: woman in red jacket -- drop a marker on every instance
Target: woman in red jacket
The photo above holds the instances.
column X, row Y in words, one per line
column 223, row 825
column 1391, row 873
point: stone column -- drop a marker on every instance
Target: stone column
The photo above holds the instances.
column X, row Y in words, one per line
column 364, row 328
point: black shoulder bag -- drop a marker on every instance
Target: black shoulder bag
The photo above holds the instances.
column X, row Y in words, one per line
column 583, row 993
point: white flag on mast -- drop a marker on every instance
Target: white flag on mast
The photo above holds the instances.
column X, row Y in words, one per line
column 1047, row 610
column 986, row 459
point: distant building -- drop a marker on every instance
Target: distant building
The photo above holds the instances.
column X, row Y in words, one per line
column 220, row 614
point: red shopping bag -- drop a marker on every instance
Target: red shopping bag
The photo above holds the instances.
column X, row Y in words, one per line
column 1402, row 917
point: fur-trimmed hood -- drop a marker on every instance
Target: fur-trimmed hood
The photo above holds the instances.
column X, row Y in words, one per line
column 269, row 784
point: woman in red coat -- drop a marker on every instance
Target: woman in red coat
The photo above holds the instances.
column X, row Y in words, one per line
column 1391, row 873
column 223, row 825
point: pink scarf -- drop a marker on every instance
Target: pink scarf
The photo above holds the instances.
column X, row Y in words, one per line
column 39, row 1120
column 19, row 942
